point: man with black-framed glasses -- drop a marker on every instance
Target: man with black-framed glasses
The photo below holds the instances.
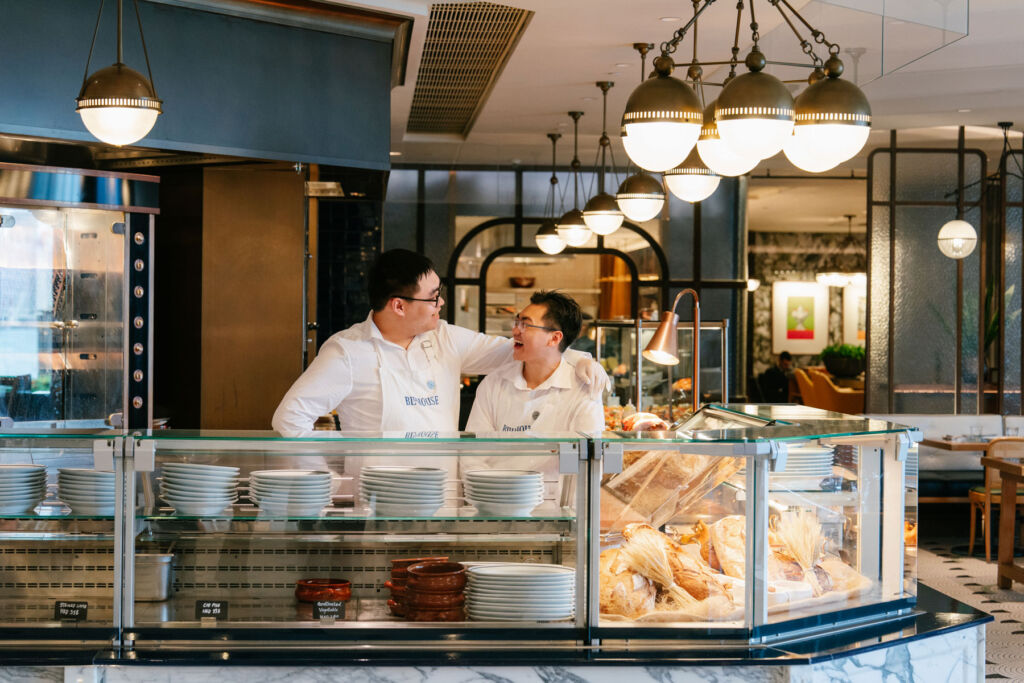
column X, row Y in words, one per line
column 538, row 391
column 400, row 369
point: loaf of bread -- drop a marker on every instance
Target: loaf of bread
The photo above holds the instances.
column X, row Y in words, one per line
column 623, row 591
column 729, row 539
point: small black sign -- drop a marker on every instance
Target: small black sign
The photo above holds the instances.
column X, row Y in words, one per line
column 329, row 608
column 70, row 611
column 211, row 609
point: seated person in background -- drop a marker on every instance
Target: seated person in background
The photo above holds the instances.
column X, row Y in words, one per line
column 774, row 382
column 538, row 392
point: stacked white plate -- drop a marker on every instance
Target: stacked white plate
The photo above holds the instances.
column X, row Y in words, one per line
column 88, row 492
column 193, row 489
column 298, row 493
column 806, row 466
column 504, row 493
column 22, row 487
column 520, row 592
column 402, row 491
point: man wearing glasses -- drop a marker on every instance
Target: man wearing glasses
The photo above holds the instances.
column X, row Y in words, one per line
column 399, row 369
column 539, row 391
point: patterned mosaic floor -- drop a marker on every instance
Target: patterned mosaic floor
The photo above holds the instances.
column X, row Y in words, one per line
column 947, row 568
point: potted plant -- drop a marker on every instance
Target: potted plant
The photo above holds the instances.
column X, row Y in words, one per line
column 843, row 360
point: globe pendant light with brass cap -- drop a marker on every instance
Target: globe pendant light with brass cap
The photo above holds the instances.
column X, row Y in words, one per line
column 662, row 120
column 755, row 111
column 601, row 214
column 833, row 120
column 547, row 237
column 571, row 226
column 640, row 197
column 717, row 155
column 118, row 105
column 692, row 180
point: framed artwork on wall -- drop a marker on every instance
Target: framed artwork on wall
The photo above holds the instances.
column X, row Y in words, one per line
column 799, row 317
column 854, row 315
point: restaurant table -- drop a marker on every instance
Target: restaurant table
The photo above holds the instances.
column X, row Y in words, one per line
column 947, row 445
column 1011, row 475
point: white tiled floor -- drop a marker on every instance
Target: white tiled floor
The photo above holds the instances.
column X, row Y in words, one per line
column 973, row 581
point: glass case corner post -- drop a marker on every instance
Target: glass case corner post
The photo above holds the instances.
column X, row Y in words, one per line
column 608, row 460
column 138, row 386
column 134, row 455
column 760, row 458
column 893, row 464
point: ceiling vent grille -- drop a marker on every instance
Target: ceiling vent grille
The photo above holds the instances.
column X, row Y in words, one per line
column 466, row 48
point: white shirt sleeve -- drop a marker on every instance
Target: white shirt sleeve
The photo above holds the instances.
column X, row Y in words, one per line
column 480, row 353
column 481, row 417
column 318, row 391
column 588, row 416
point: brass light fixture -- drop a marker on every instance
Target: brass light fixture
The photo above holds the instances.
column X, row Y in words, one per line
column 571, row 226
column 692, row 180
column 118, row 105
column 547, row 237
column 601, row 214
column 755, row 116
column 640, row 196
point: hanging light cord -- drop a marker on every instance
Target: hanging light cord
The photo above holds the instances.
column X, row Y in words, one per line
column 736, row 42
column 805, row 45
column 142, row 37
column 549, row 207
column 819, row 37
column 575, row 158
column 95, row 31
column 669, row 46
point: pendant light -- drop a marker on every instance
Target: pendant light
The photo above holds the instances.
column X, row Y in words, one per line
column 118, row 105
column 640, row 197
column 957, row 239
column 662, row 120
column 601, row 214
column 755, row 113
column 833, row 120
column 692, row 180
column 547, row 237
column 571, row 226
column 717, row 155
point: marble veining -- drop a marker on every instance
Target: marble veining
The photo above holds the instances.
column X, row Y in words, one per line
column 32, row 674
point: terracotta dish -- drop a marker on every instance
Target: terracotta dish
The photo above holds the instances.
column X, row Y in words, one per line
column 439, row 577
column 397, row 608
column 435, row 600
column 315, row 590
column 400, row 568
column 428, row 614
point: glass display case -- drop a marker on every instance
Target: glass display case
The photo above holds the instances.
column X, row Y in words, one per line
column 57, row 539
column 248, row 532
column 749, row 522
column 660, row 389
column 747, row 525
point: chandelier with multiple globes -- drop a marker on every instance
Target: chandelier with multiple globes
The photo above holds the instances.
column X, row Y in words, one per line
column 667, row 127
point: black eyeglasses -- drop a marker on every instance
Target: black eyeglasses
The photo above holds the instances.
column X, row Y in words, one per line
column 520, row 324
column 435, row 300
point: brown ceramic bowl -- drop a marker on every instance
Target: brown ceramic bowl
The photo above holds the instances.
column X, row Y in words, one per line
column 400, row 568
column 437, row 577
column 397, row 608
column 435, row 600
column 521, row 281
column 314, row 590
column 429, row 614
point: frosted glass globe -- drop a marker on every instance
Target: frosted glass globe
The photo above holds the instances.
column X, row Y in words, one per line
column 957, row 239
column 119, row 125
column 659, row 145
column 721, row 159
column 550, row 244
column 692, row 187
column 574, row 235
column 640, row 210
column 761, row 138
column 818, row 147
column 603, row 223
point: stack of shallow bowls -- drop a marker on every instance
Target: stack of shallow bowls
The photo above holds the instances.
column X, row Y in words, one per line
column 521, row 592
column 504, row 493
column 806, row 467
column 199, row 489
column 402, row 491
column 435, row 592
column 22, row 487
column 399, row 579
column 88, row 492
column 297, row 493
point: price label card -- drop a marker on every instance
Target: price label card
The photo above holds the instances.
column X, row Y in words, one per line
column 329, row 608
column 211, row 609
column 70, row 611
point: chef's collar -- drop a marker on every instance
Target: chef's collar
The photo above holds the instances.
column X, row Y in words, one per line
column 564, row 377
column 374, row 333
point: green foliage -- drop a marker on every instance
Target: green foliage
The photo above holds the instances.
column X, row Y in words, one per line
column 843, row 351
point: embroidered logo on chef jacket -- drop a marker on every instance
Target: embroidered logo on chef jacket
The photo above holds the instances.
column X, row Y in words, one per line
column 421, row 435
column 434, row 400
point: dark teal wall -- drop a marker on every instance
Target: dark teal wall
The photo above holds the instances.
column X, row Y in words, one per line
column 230, row 85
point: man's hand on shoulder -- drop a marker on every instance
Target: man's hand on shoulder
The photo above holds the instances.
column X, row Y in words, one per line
column 590, row 372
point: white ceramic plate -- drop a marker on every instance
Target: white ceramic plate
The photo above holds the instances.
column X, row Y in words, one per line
column 85, row 499
column 33, row 498
column 511, row 486
column 24, row 494
column 196, row 467
column 83, row 490
column 197, row 487
column 298, row 488
column 23, row 478
column 519, row 601
column 508, row 497
column 502, row 474
column 520, row 616
column 400, row 495
column 278, row 495
column 520, row 570
column 87, row 473
column 403, row 484
column 404, row 472
column 200, row 479
column 295, row 476
column 86, row 481
column 19, row 469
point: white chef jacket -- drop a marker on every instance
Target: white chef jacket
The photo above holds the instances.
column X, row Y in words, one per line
column 351, row 367
column 504, row 403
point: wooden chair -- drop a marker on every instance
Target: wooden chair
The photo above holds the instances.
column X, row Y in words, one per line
column 807, row 394
column 982, row 498
column 831, row 397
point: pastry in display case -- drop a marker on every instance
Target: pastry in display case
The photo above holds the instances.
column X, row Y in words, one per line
column 744, row 520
